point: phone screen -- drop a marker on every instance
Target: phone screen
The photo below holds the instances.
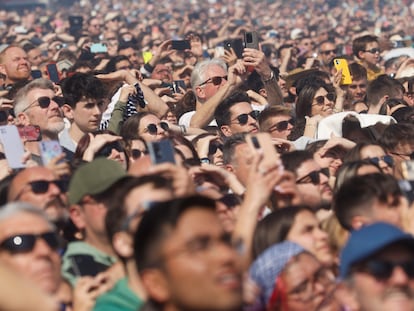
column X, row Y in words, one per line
column 161, row 151
column 53, row 73
column 180, row 45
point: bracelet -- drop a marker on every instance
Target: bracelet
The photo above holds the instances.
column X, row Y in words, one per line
column 205, row 161
column 183, row 129
column 272, row 75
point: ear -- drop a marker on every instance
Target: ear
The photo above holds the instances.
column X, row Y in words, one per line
column 67, row 112
column 200, row 92
column 263, row 92
column 123, row 244
column 3, row 69
column 292, row 90
column 230, row 168
column 22, row 119
column 361, row 54
column 156, row 285
column 358, row 222
column 76, row 215
column 225, row 129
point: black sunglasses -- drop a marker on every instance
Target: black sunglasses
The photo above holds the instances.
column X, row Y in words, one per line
column 42, row 186
column 382, row 270
column 230, row 200
column 243, row 118
column 136, row 153
column 212, row 148
column 106, row 150
column 327, row 52
column 373, row 50
column 23, row 243
column 45, row 101
column 152, row 128
column 282, row 125
column 386, row 158
column 320, row 100
column 313, row 177
column 215, row 80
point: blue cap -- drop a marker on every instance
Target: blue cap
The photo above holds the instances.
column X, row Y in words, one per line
column 268, row 266
column 369, row 240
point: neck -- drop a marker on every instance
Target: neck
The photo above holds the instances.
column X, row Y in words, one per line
column 99, row 243
column 134, row 281
column 75, row 133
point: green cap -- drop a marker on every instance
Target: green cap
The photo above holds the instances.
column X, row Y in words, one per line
column 94, row 178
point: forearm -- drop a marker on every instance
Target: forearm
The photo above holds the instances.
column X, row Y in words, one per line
column 273, row 91
column 115, row 122
column 155, row 104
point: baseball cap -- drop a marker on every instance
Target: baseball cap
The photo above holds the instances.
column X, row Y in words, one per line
column 93, row 178
column 369, row 240
column 268, row 266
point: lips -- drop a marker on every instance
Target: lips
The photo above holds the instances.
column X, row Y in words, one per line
column 229, row 280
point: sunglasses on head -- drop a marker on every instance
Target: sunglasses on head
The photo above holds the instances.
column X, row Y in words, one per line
column 152, row 128
column 45, row 101
column 23, row 243
column 243, row 118
column 313, row 177
column 382, row 270
column 373, row 50
column 282, row 125
column 136, row 153
column 212, row 148
column 320, row 100
column 327, row 52
column 215, row 80
column 386, row 158
column 106, row 150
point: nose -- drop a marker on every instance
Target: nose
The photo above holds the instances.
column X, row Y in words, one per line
column 53, row 189
column 41, row 248
column 398, row 276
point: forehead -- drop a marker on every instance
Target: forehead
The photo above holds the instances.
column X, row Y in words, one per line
column 150, row 119
column 13, row 51
column 321, row 91
column 238, row 108
column 300, row 268
column 34, row 173
column 36, row 93
column 327, row 46
column 23, row 223
column 215, row 70
column 307, row 167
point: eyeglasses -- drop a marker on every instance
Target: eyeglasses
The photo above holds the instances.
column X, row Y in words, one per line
column 281, row 126
column 152, row 128
column 382, row 270
column 404, row 155
column 45, row 101
column 313, row 177
column 106, row 150
column 24, row 243
column 320, row 100
column 215, row 80
column 244, row 117
column 386, row 158
column 212, row 148
column 327, row 52
column 136, row 153
column 373, row 50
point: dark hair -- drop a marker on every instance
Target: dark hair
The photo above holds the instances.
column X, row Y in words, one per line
column 395, row 134
column 391, row 103
column 111, row 65
column 275, row 227
column 357, row 71
column 82, row 85
column 270, row 112
column 157, row 224
column 382, row 86
column 130, row 128
column 222, row 112
column 360, row 44
column 230, row 144
column 293, row 160
column 354, row 154
column 357, row 194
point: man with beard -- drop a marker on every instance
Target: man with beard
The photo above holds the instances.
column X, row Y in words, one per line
column 39, row 186
column 14, row 64
column 377, row 268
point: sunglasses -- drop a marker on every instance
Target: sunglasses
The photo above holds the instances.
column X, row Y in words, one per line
column 212, row 148
column 313, row 177
column 327, row 52
column 386, row 158
column 136, row 153
column 45, row 101
column 215, row 80
column 106, row 150
column 4, row 114
column 382, row 270
column 152, row 128
column 230, row 200
column 282, row 125
column 24, row 243
column 42, row 186
column 373, row 50
column 320, row 100
column 243, row 118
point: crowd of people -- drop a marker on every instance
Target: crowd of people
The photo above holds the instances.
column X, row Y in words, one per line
column 207, row 155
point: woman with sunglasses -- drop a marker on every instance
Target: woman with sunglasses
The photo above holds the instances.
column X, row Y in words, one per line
column 145, row 125
column 101, row 144
column 316, row 100
column 374, row 153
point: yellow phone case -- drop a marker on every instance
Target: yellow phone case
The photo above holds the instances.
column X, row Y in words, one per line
column 342, row 64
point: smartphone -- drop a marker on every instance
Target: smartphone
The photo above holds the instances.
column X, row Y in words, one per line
column 36, row 74
column 161, row 151
column 251, row 40
column 146, row 55
column 53, row 73
column 342, row 64
column 99, row 48
column 64, row 65
column 177, row 85
column 83, row 265
column 235, row 44
column 29, row 133
column 407, row 168
column 12, row 146
column 180, row 45
column 49, row 150
column 263, row 142
column 75, row 25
